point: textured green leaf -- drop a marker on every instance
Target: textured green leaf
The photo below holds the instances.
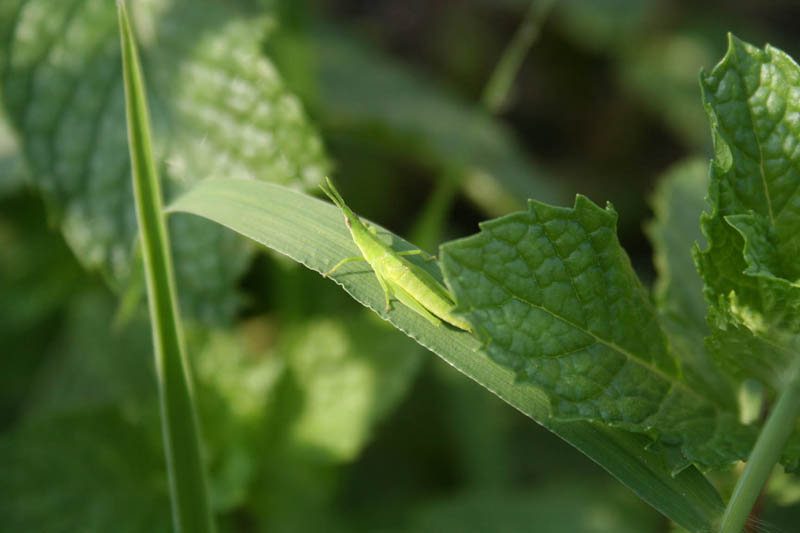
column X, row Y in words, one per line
column 553, row 296
column 460, row 138
column 219, row 109
column 312, row 233
column 749, row 268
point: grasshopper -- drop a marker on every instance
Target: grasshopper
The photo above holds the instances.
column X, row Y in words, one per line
column 397, row 276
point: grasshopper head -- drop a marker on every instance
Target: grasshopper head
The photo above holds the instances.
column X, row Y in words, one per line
column 336, row 198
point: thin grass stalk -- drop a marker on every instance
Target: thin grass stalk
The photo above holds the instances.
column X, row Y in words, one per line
column 191, row 509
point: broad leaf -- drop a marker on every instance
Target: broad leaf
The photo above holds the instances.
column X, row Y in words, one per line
column 313, row 233
column 552, row 295
column 219, row 108
column 753, row 228
column 749, row 268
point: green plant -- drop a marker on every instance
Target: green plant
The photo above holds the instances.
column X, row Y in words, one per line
column 187, row 479
column 553, row 299
column 662, row 389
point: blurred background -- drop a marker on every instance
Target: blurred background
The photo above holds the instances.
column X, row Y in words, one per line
column 317, row 416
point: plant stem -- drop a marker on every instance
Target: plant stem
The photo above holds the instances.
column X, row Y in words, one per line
column 191, row 509
column 763, row 458
column 496, row 91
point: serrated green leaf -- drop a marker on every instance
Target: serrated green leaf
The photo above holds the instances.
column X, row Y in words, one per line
column 749, row 269
column 553, row 296
column 753, row 229
column 219, row 109
column 312, row 233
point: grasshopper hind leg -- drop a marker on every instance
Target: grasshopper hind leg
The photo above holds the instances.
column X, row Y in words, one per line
column 342, row 262
column 414, row 305
column 425, row 255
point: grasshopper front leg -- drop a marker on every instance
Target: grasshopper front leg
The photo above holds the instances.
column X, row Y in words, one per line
column 340, row 263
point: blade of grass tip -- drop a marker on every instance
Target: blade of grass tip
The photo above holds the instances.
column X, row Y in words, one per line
column 187, row 480
column 499, row 85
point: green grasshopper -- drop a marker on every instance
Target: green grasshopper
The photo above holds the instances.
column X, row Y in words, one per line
column 397, row 276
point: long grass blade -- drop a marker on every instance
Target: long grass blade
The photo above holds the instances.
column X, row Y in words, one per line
column 187, row 481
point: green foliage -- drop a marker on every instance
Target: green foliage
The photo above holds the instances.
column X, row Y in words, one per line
column 749, row 267
column 219, row 108
column 87, row 417
column 318, row 238
column 274, row 408
column 75, row 473
column 552, row 296
column 317, row 415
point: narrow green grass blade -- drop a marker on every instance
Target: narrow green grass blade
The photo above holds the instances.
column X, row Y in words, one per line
column 313, row 233
column 498, row 87
column 187, row 480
